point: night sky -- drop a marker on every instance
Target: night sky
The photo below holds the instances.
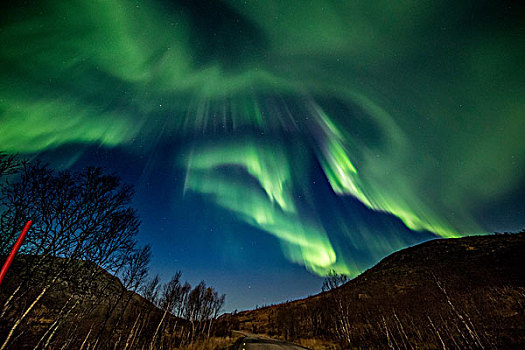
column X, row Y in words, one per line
column 272, row 141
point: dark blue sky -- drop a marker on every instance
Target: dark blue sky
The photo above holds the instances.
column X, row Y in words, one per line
column 270, row 142
column 206, row 242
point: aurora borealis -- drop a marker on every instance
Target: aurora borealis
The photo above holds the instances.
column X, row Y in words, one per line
column 343, row 129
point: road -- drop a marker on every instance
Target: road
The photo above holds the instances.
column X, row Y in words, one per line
column 255, row 342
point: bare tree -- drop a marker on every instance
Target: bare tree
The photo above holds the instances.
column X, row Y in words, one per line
column 216, row 306
column 173, row 293
column 133, row 274
column 10, row 223
column 83, row 222
column 333, row 281
column 341, row 311
column 134, row 278
column 194, row 307
column 78, row 216
column 8, row 164
column 150, row 291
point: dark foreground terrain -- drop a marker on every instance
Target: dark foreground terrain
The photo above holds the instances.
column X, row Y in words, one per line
column 91, row 309
column 466, row 293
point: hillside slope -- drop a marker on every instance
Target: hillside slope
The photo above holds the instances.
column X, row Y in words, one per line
column 91, row 308
column 466, row 293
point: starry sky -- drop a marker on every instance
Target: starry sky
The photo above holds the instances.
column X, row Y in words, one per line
column 273, row 141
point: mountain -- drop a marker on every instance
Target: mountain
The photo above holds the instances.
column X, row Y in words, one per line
column 464, row 293
column 86, row 308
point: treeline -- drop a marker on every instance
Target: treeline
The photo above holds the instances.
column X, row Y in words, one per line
column 61, row 292
column 408, row 323
column 463, row 293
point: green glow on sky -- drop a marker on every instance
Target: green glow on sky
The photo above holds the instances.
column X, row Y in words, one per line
column 411, row 107
column 269, row 207
column 345, row 179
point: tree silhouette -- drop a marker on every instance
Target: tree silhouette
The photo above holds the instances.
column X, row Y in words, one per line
column 61, row 293
column 8, row 164
column 333, row 280
column 78, row 216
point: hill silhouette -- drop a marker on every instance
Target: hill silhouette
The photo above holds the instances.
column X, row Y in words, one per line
column 466, row 293
column 80, row 306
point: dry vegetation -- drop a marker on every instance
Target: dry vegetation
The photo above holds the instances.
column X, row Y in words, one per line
column 213, row 343
column 464, row 293
column 61, row 291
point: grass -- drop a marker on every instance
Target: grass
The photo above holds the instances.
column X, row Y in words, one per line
column 316, row 344
column 214, row 343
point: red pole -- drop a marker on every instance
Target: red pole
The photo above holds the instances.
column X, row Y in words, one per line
column 14, row 250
